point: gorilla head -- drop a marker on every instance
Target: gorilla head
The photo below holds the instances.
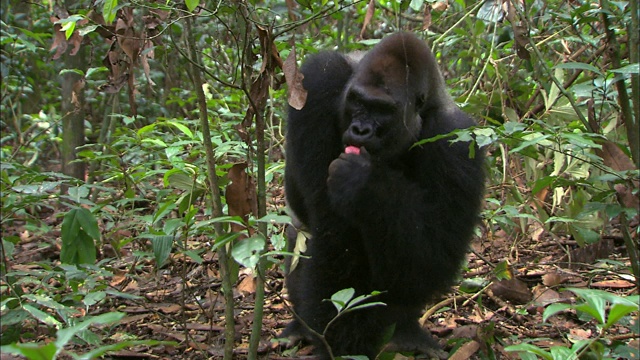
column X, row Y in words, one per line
column 392, row 86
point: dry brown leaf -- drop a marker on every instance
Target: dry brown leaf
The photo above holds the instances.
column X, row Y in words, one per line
column 293, row 77
column 613, row 284
column 241, row 194
column 131, row 287
column 247, row 286
column 590, row 253
column 440, row 5
column 371, row 9
column 543, row 296
column 579, row 334
column 513, row 290
column 465, row 351
column 426, row 18
column 553, row 279
column 616, row 159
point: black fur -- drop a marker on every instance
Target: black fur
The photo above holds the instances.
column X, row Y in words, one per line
column 393, row 218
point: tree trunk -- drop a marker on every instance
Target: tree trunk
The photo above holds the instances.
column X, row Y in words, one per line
column 72, row 86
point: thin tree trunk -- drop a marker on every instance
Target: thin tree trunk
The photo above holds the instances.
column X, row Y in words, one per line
column 72, row 86
column 223, row 258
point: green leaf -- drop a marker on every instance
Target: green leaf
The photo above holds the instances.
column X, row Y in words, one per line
column 364, row 306
column 32, row 351
column 191, row 4
column 416, row 5
column 528, row 348
column 145, row 129
column 185, row 130
column 155, row 141
column 162, row 245
column 80, row 249
column 87, row 30
column 102, row 350
column 42, row 316
column 178, row 179
column 342, row 297
column 578, row 66
column 93, row 298
column 631, row 69
column 79, row 230
column 535, row 139
column 194, row 256
column 618, row 311
column 274, row 218
column 554, row 309
column 95, row 70
column 247, row 252
column 65, row 335
column 561, row 353
column 502, row 271
column 88, row 223
column 68, row 29
column 472, row 285
column 109, row 10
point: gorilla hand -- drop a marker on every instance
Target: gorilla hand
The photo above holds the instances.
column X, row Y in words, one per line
column 347, row 175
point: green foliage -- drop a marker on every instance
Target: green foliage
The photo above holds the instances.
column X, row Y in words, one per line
column 595, row 303
column 50, row 351
column 544, row 120
column 79, row 230
column 605, row 308
column 58, row 297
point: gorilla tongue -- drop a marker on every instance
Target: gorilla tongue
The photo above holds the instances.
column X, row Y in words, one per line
column 352, row 150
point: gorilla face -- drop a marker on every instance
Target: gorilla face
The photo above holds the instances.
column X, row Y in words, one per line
column 381, row 107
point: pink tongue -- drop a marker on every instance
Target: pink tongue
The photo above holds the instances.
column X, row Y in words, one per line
column 352, row 150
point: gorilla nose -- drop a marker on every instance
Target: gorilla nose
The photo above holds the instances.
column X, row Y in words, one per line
column 359, row 133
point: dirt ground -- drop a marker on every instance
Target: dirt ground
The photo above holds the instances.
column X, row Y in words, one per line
column 182, row 302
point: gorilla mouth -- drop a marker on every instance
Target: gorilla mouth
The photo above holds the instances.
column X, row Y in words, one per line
column 352, row 150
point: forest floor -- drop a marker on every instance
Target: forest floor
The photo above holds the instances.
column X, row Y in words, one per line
column 182, row 301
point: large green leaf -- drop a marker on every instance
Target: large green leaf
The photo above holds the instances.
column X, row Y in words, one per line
column 161, row 248
column 247, row 252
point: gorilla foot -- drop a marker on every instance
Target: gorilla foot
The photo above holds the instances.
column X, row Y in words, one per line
column 417, row 341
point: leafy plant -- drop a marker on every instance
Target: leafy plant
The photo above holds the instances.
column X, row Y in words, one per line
column 605, row 308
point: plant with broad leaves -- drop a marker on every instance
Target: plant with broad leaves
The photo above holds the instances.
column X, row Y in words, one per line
column 606, row 309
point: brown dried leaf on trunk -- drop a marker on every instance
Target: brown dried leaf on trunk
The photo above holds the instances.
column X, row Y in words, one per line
column 520, row 31
column 426, row 18
column 293, row 77
column 128, row 40
column 616, row 159
column 259, row 92
column 371, row 8
column 60, row 43
column 241, row 194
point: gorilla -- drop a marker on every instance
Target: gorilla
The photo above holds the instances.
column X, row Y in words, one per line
column 384, row 214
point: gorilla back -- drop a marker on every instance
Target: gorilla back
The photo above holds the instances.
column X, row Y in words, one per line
column 384, row 215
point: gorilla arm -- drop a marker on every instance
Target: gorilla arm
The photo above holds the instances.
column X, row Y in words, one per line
column 415, row 228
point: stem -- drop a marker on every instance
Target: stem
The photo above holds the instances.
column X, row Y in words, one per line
column 223, row 258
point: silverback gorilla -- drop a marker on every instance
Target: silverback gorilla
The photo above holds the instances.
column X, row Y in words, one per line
column 383, row 214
